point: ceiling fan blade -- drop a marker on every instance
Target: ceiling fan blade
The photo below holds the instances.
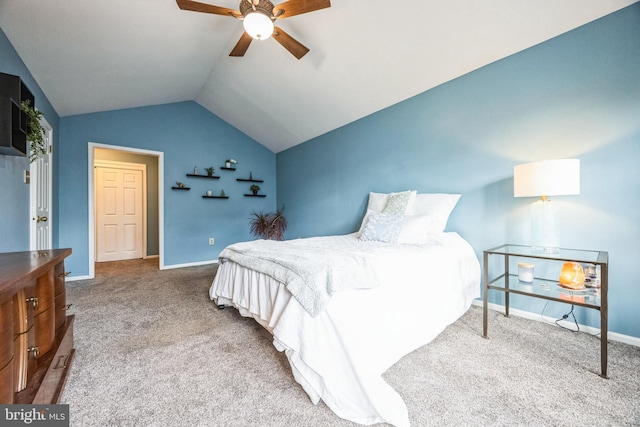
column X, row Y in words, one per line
column 296, row 48
column 242, row 45
column 297, row 7
column 207, row 8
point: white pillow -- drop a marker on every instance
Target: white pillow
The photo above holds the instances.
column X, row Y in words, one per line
column 383, row 227
column 415, row 229
column 437, row 205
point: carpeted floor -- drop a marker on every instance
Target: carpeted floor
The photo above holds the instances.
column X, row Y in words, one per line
column 153, row 350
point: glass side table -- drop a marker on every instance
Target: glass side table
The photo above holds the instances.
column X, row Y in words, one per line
column 549, row 289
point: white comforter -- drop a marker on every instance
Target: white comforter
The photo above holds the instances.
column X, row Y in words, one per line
column 312, row 269
column 339, row 355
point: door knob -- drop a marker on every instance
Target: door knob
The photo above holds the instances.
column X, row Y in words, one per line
column 42, row 219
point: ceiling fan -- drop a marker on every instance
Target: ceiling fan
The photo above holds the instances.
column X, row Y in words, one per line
column 258, row 18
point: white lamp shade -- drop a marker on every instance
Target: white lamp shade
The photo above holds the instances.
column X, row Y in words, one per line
column 258, row 25
column 547, row 178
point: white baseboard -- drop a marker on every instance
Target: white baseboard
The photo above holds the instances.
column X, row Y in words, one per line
column 74, row 278
column 190, row 264
column 612, row 336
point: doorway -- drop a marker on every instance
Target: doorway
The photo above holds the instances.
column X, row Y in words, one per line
column 114, row 160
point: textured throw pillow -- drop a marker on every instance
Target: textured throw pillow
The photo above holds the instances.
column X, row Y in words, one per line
column 397, row 203
column 382, row 227
column 437, row 206
column 415, row 229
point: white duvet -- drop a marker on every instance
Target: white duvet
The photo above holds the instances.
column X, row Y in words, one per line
column 339, row 355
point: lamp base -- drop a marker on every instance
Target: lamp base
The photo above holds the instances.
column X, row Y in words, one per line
column 545, row 232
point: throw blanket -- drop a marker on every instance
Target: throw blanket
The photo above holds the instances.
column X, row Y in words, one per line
column 309, row 270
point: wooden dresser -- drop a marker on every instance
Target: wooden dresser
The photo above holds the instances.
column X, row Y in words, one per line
column 36, row 335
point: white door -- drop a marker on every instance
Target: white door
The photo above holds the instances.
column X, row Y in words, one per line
column 120, row 210
column 40, row 194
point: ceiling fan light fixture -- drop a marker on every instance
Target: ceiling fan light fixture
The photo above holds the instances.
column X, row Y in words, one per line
column 258, row 25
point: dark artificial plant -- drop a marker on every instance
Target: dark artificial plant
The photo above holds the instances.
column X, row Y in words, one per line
column 35, row 132
column 271, row 225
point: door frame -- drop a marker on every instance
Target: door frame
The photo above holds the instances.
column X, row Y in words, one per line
column 112, row 164
column 33, row 195
column 91, row 201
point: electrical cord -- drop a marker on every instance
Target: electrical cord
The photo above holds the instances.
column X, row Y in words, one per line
column 565, row 317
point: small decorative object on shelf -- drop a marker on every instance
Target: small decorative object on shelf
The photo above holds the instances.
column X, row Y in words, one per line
column 180, row 186
column 250, row 179
column 229, row 163
column 209, row 170
column 571, row 275
column 209, row 193
column 254, row 189
column 525, row 272
column 222, row 193
column 195, row 170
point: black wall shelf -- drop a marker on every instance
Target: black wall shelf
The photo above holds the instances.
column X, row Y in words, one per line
column 13, row 121
column 215, row 197
column 181, row 188
column 191, row 175
column 249, row 180
column 255, row 195
column 227, row 169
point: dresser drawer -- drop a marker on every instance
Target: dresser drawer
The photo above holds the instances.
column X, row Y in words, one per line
column 45, row 330
column 56, row 375
column 7, row 333
column 6, row 383
column 61, row 310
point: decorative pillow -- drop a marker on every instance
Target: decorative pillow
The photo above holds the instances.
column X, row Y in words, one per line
column 383, row 227
column 415, row 229
column 397, row 203
column 437, row 205
column 377, row 203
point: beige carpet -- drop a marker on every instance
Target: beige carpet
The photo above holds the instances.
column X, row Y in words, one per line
column 153, row 350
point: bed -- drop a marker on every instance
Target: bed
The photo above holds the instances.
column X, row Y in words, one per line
column 346, row 308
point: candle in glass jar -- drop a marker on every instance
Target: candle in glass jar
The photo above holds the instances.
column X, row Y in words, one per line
column 525, row 272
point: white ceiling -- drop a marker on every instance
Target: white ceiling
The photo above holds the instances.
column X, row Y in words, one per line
column 97, row 55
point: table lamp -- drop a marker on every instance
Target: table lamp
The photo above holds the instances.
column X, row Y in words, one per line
column 543, row 179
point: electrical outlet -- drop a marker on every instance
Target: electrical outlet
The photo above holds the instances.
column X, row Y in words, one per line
column 211, row 240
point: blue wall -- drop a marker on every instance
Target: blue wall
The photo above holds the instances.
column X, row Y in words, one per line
column 575, row 96
column 14, row 193
column 189, row 136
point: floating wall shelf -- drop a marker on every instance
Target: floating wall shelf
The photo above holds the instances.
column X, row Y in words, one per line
column 181, row 188
column 249, row 180
column 255, row 195
column 215, row 197
column 191, row 175
column 227, row 169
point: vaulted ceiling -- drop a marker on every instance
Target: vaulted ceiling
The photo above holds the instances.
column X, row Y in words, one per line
column 97, row 55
